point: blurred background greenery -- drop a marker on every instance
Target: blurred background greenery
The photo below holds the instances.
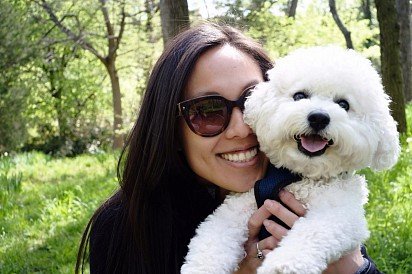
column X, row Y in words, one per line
column 73, row 73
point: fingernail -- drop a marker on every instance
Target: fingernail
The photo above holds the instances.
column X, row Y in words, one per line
column 269, row 203
column 266, row 223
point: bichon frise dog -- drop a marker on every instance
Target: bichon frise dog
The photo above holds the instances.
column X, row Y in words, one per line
column 323, row 114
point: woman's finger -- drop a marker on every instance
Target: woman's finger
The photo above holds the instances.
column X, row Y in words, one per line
column 277, row 231
column 268, row 243
column 256, row 221
column 284, row 214
column 290, row 201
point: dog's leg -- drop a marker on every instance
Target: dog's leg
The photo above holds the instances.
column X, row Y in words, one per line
column 217, row 246
column 334, row 224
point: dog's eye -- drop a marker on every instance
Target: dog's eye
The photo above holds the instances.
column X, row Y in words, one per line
column 299, row 96
column 343, row 104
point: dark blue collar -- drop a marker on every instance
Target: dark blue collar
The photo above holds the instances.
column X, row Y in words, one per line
column 274, row 180
column 269, row 187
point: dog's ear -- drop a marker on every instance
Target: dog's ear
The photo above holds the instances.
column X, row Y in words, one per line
column 388, row 149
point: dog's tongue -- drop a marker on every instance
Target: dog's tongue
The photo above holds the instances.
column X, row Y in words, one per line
column 313, row 143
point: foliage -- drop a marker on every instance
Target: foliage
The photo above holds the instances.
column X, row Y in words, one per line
column 312, row 26
column 67, row 110
column 59, row 100
column 55, row 97
column 16, row 51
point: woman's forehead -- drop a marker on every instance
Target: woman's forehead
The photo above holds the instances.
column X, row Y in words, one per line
column 223, row 70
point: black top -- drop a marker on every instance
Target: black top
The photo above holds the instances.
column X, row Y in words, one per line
column 106, row 230
column 191, row 203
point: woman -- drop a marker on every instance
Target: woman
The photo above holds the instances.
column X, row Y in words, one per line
column 180, row 162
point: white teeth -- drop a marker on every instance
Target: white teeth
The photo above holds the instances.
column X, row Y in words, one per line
column 243, row 156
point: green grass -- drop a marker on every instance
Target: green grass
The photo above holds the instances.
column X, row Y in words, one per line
column 42, row 219
column 389, row 211
column 46, row 202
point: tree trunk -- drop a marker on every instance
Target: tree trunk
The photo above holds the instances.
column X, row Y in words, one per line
column 343, row 29
column 390, row 61
column 56, row 93
column 404, row 20
column 117, row 104
column 63, row 125
column 174, row 16
column 293, row 4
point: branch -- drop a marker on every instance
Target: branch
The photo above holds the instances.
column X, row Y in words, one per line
column 122, row 26
column 78, row 39
column 68, row 54
column 338, row 22
column 109, row 28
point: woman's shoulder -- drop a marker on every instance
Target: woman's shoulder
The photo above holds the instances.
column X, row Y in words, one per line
column 107, row 218
column 104, row 234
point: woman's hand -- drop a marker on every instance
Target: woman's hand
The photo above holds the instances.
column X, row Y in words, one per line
column 250, row 263
column 348, row 264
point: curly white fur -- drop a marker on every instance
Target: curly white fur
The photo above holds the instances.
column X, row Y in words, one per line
column 365, row 135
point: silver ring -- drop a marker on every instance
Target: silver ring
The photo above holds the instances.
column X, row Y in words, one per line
column 259, row 253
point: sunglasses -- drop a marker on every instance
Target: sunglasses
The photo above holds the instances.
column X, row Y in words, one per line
column 209, row 115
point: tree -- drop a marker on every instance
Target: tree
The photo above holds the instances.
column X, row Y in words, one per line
column 107, row 58
column 404, row 20
column 366, row 10
column 54, row 66
column 66, row 112
column 293, row 4
column 174, row 17
column 346, row 33
column 390, row 61
column 17, row 50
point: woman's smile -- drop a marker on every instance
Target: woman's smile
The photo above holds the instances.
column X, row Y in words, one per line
column 240, row 156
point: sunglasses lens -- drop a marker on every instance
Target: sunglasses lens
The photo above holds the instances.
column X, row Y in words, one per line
column 208, row 117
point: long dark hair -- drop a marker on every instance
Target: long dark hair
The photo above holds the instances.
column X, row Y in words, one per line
column 156, row 185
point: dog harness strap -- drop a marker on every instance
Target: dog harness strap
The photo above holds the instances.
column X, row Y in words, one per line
column 269, row 187
column 368, row 266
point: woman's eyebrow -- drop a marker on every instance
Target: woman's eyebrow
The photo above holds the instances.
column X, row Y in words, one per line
column 211, row 92
column 251, row 83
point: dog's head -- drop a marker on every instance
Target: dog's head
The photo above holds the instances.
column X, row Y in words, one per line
column 323, row 112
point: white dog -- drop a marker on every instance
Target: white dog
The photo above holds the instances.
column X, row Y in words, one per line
column 323, row 114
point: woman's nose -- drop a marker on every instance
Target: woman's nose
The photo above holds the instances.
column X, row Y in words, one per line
column 237, row 127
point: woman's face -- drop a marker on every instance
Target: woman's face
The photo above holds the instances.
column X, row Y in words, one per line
column 225, row 71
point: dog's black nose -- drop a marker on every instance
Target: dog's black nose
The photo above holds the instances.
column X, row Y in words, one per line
column 318, row 120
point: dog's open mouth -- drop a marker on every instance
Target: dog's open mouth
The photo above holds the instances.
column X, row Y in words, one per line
column 312, row 144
